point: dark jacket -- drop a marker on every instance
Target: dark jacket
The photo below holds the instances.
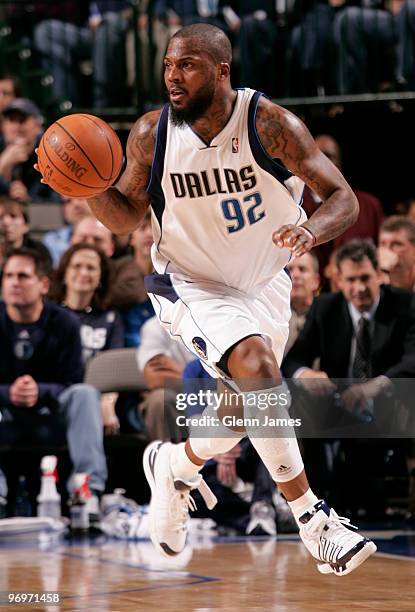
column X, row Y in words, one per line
column 56, row 362
column 328, row 332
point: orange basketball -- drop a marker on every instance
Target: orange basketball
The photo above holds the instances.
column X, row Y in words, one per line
column 80, row 156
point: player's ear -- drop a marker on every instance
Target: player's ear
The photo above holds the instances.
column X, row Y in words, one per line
column 224, row 71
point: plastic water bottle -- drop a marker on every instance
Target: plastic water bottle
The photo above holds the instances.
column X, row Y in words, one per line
column 49, row 500
column 78, row 503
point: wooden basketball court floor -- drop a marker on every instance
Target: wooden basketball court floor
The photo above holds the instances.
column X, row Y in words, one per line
column 250, row 574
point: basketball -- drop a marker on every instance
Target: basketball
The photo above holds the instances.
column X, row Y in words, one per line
column 80, row 156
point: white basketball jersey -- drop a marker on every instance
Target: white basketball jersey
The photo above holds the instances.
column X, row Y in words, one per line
column 215, row 206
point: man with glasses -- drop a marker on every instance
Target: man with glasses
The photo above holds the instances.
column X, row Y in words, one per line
column 40, row 370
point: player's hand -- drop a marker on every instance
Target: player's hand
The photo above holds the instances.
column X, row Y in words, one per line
column 297, row 238
column 36, row 167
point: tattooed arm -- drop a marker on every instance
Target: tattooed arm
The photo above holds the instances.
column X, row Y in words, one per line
column 122, row 207
column 284, row 135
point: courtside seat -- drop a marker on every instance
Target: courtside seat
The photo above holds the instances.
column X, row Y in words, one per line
column 45, row 216
column 115, row 371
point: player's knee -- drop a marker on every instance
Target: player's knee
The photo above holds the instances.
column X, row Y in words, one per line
column 253, row 359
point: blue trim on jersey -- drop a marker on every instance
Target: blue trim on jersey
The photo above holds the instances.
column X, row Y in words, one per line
column 160, row 284
column 275, row 167
column 157, row 199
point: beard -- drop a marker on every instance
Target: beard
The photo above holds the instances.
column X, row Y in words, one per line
column 195, row 108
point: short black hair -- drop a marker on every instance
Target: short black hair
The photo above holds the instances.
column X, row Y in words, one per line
column 357, row 250
column 42, row 265
column 210, row 38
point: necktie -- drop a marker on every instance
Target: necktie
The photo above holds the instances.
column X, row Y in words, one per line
column 361, row 364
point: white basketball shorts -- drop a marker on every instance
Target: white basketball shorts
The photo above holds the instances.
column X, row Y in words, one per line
column 209, row 318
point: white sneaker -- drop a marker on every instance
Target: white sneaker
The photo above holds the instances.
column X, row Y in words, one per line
column 122, row 517
column 262, row 520
column 329, row 538
column 170, row 499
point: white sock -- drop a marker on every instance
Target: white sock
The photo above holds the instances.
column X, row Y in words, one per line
column 181, row 466
column 302, row 504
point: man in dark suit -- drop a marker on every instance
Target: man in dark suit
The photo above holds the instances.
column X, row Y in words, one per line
column 333, row 321
column 365, row 332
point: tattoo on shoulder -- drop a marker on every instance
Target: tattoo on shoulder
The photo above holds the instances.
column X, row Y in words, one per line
column 275, row 129
column 142, row 138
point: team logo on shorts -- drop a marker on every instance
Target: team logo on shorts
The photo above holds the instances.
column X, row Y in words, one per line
column 235, row 145
column 200, row 347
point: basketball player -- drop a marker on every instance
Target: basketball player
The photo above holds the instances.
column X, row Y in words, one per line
column 223, row 172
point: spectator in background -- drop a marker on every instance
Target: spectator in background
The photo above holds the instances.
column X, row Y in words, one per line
column 365, row 332
column 370, row 208
column 91, row 231
column 375, row 46
column 255, row 31
column 331, row 274
column 162, row 361
column 81, row 284
column 305, row 281
column 311, row 68
column 127, row 286
column 9, row 90
column 58, row 241
column 406, row 208
column 63, row 46
column 337, row 316
column 40, row 368
column 129, row 294
column 365, row 38
column 14, row 230
column 411, row 209
column 397, row 251
column 22, row 130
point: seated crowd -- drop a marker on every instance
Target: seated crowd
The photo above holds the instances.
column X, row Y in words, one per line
column 296, row 48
